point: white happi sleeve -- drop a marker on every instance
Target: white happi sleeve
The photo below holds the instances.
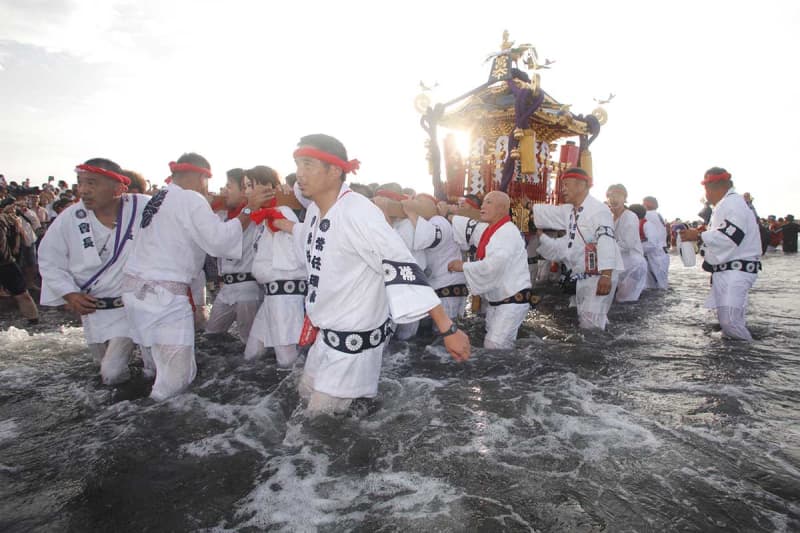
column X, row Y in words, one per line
column 467, row 231
column 215, row 237
column 607, row 250
column 426, row 234
column 57, row 280
column 552, row 217
column 552, row 249
column 407, row 290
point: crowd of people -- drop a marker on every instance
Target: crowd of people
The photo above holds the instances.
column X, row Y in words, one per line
column 310, row 263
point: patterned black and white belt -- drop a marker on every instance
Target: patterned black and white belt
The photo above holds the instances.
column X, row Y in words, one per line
column 109, row 303
column 238, row 277
column 582, row 275
column 750, row 267
column 353, row 342
column 522, row 297
column 286, row 287
column 452, row 291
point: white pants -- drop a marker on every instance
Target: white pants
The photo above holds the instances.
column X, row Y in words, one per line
column 175, row 369
column 729, row 295
column 406, row 331
column 223, row 315
column 285, row 355
column 502, row 324
column 113, row 357
column 454, row 306
column 320, row 403
column 163, row 326
column 593, row 309
column 657, row 271
column 631, row 280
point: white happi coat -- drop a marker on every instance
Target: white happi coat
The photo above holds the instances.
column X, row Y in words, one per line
column 75, row 247
column 244, row 291
column 732, row 235
column 632, row 280
column 407, row 232
column 654, row 248
column 502, row 273
column 280, row 317
column 360, row 273
column 591, row 222
column 178, row 229
column 436, row 237
column 504, row 270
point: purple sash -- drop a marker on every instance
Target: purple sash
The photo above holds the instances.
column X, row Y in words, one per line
column 118, row 244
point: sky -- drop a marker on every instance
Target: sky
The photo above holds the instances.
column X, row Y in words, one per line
column 697, row 84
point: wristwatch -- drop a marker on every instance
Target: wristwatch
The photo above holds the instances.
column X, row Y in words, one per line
column 247, row 211
column 452, row 329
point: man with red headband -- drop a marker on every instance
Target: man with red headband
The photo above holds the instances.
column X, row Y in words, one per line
column 589, row 249
column 655, row 246
column 281, row 271
column 500, row 272
column 82, row 257
column 731, row 248
column 178, row 229
column 361, row 280
column 240, row 296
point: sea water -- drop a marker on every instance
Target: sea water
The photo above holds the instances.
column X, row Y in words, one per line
column 658, row 424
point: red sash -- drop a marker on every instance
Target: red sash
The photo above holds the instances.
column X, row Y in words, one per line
column 481, row 253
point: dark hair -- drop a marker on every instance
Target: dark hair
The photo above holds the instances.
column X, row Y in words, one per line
column 716, row 170
column 393, row 187
column 138, row 184
column 619, row 187
column 638, row 210
column 361, row 189
column 194, row 159
column 290, row 179
column 576, row 170
column 408, row 191
column 236, row 175
column 61, row 204
column 326, row 143
column 105, row 164
column 264, row 175
column 650, row 200
column 475, row 199
column 789, row 218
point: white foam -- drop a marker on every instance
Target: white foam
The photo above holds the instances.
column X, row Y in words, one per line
column 300, row 496
column 254, row 426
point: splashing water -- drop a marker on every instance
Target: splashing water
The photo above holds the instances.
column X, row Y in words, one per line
column 658, row 424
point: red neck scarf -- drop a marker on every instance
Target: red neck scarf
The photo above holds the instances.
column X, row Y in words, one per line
column 641, row 229
column 487, row 234
column 234, row 212
column 269, row 213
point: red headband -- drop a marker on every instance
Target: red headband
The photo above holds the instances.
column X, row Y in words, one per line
column 428, row 196
column 471, row 203
column 346, row 166
column 188, row 167
column 103, row 172
column 711, row 178
column 577, row 176
column 391, row 195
